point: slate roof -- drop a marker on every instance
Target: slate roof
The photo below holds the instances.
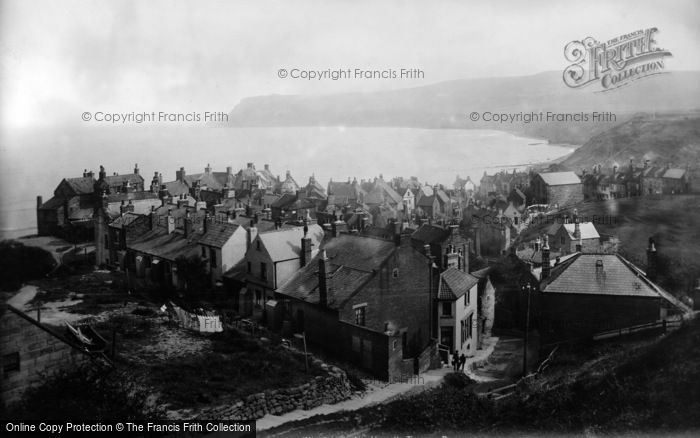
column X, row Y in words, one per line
column 289, row 185
column 218, row 234
column 285, row 244
column 52, row 204
column 351, row 261
column 160, row 244
column 344, row 190
column 81, row 214
column 482, row 273
column 442, row 196
column 560, row 178
column 426, row 201
column 205, row 180
column 389, row 192
column 578, row 275
column 674, row 173
column 81, row 185
column 431, row 234
column 286, row 200
column 124, row 220
column 587, row 229
column 176, row 188
column 454, row 284
column 114, row 180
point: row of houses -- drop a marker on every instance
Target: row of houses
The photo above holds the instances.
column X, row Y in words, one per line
column 377, row 302
column 362, row 268
column 632, row 180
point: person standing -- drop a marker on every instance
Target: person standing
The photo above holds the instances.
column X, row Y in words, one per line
column 462, row 361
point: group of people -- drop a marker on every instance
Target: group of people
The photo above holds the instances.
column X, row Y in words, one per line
column 458, row 361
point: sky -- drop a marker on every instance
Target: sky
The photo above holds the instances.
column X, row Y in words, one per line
column 61, row 58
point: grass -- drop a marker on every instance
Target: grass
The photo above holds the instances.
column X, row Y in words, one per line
column 236, row 366
column 650, row 387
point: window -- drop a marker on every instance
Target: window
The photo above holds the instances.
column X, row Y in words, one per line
column 212, row 257
column 257, row 245
column 395, row 273
column 563, row 241
column 10, row 362
column 470, row 320
column 250, row 267
column 463, row 330
column 204, row 252
column 394, row 345
column 263, row 271
column 466, row 299
column 447, row 308
column 258, row 297
column 360, row 316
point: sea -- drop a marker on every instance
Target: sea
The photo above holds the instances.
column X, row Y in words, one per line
column 33, row 161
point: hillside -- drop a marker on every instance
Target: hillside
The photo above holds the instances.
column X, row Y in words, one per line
column 634, row 387
column 663, row 138
column 670, row 220
column 447, row 105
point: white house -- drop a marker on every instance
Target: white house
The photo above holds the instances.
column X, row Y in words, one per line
column 457, row 318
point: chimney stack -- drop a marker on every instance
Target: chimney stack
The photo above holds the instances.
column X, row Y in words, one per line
column 39, row 201
column 465, row 257
column 252, row 233
column 136, row 168
column 306, row 247
column 207, row 169
column 180, row 174
column 187, row 225
column 153, row 218
column 546, row 267
column 170, row 222
column 577, row 228
column 207, row 218
column 325, row 280
column 651, row 260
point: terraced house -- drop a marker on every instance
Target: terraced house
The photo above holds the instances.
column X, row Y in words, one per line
column 368, row 301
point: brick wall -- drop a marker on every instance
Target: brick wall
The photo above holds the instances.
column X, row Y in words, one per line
column 41, row 353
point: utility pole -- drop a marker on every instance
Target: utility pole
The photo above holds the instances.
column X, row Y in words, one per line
column 302, row 336
column 527, row 288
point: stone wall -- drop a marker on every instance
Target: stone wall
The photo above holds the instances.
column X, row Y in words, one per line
column 329, row 389
column 41, row 353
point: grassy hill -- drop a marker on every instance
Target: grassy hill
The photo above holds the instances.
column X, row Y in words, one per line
column 650, row 387
column 671, row 220
column 661, row 138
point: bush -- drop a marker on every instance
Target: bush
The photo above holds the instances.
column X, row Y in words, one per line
column 356, row 382
column 20, row 263
column 457, row 380
column 83, row 396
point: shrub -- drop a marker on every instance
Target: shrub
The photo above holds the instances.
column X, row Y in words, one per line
column 20, row 263
column 457, row 380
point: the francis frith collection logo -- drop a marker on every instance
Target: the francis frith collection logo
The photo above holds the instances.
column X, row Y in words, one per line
column 614, row 63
